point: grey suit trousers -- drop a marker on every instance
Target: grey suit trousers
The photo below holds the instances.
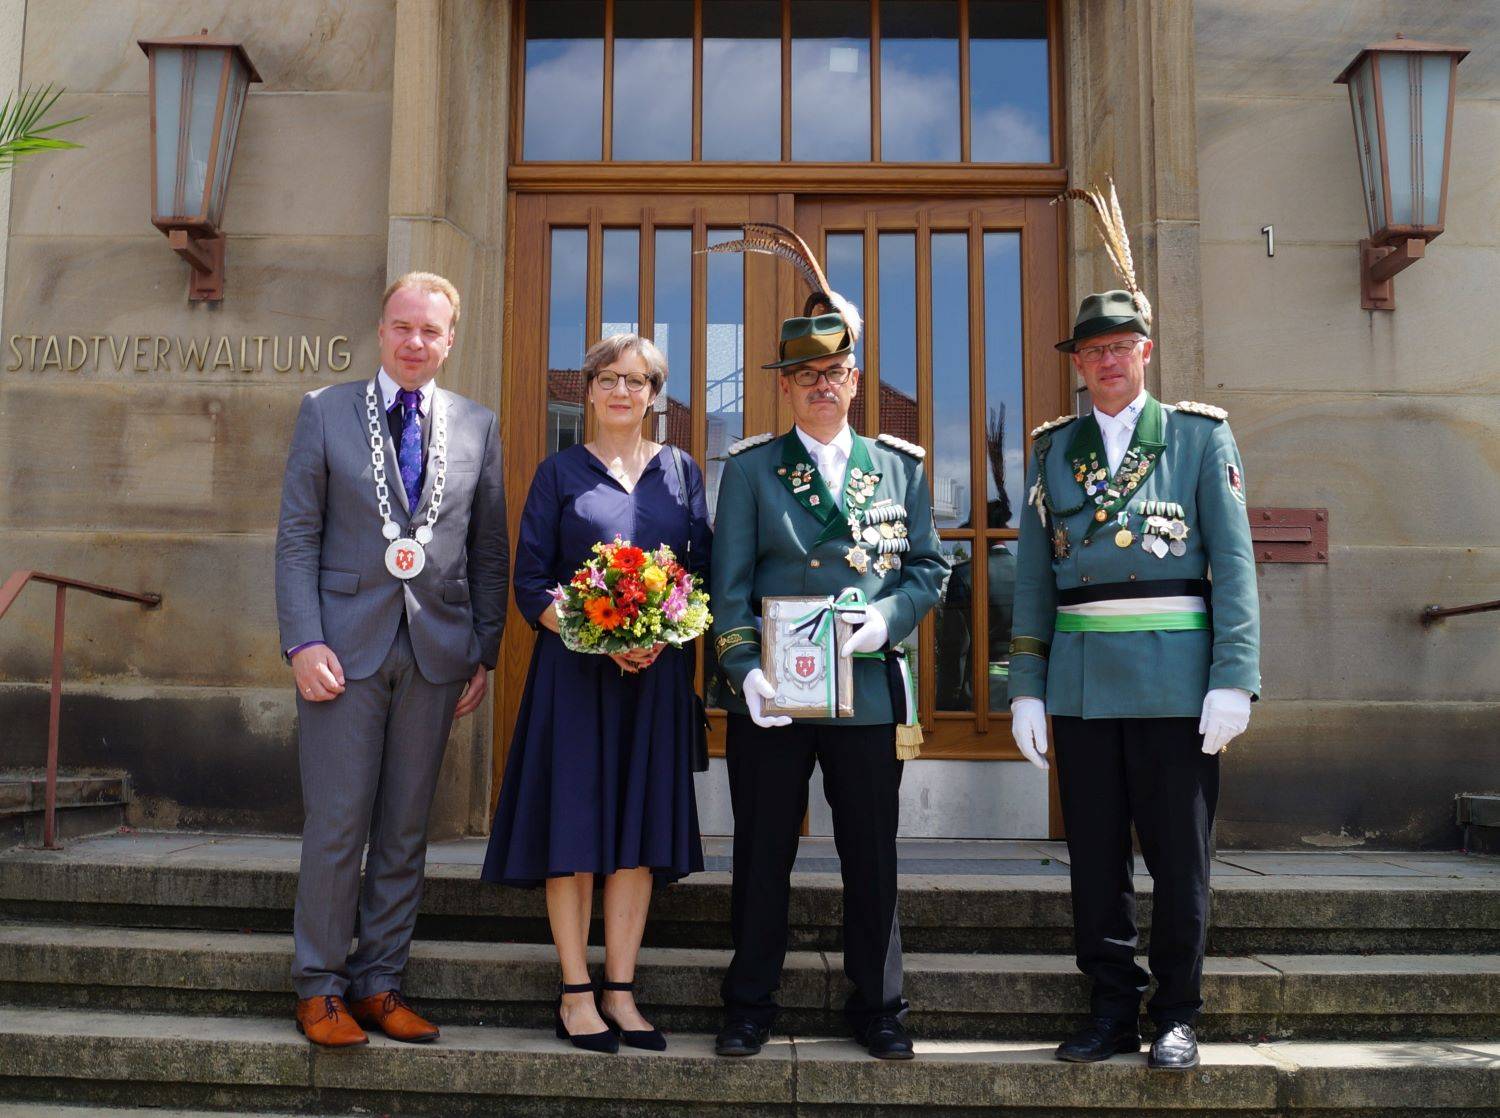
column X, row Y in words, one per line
column 370, row 761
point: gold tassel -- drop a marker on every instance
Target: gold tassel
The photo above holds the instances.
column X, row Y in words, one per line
column 908, row 741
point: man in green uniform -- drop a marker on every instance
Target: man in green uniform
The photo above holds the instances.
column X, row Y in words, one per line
column 1147, row 668
column 819, row 511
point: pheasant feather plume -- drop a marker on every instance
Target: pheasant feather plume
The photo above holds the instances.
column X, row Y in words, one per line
column 771, row 239
column 1116, row 238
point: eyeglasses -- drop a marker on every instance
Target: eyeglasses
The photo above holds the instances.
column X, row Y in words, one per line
column 633, row 381
column 806, row 378
column 1093, row 354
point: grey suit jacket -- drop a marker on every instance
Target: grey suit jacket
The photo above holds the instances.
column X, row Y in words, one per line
column 331, row 581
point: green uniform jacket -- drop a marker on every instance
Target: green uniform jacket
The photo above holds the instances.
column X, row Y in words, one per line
column 770, row 541
column 1185, row 457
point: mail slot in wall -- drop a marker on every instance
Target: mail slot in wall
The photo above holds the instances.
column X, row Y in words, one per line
column 1289, row 535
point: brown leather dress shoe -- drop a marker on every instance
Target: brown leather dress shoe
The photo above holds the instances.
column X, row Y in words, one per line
column 326, row 1020
column 390, row 1013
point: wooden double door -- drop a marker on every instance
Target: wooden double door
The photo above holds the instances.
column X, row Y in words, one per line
column 962, row 301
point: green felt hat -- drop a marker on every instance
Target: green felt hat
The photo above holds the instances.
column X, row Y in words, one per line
column 1105, row 313
column 809, row 337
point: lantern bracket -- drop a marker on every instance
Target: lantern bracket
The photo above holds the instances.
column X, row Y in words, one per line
column 1378, row 264
column 205, row 254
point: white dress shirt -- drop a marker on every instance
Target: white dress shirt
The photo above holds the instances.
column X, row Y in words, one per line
column 1119, row 429
column 389, row 388
column 831, row 458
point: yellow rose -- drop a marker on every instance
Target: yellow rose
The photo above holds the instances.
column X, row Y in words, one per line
column 655, row 579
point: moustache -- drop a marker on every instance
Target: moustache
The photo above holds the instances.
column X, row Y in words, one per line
column 816, row 396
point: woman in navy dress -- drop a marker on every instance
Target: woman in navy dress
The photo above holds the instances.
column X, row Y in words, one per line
column 599, row 775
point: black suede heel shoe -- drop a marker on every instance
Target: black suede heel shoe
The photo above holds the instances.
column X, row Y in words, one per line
column 649, row 1039
column 606, row 1041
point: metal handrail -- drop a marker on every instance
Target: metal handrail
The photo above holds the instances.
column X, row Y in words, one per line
column 9, row 591
column 1437, row 613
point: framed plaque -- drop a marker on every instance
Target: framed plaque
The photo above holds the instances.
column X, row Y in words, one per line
column 799, row 656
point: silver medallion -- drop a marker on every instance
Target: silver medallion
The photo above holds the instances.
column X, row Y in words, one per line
column 405, row 558
column 1177, row 547
column 1158, row 547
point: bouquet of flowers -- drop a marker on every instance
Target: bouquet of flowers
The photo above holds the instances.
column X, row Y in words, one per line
column 625, row 598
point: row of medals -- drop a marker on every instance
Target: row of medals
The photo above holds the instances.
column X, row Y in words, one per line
column 882, row 526
column 1164, row 527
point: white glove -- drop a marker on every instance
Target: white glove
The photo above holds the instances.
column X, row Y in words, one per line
column 1226, row 713
column 1028, row 725
column 757, row 690
column 871, row 634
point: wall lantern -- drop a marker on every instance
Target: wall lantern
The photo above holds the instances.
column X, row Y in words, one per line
column 198, row 87
column 1402, row 95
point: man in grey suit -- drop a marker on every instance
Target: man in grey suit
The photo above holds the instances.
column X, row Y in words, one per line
column 391, row 579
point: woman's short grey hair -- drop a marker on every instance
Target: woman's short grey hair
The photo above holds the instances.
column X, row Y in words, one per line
column 609, row 350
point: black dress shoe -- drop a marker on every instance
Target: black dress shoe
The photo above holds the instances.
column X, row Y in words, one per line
column 1174, row 1049
column 740, row 1037
column 1100, row 1039
column 886, row 1039
column 649, row 1039
column 606, row 1041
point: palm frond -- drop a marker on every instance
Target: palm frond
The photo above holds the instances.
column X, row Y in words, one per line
column 22, row 132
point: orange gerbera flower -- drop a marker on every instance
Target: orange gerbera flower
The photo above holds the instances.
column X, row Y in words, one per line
column 628, row 559
column 602, row 612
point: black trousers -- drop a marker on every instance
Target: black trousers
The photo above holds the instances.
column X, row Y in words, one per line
column 768, row 774
column 1153, row 772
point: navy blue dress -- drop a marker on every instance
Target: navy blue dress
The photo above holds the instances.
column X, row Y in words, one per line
column 599, row 774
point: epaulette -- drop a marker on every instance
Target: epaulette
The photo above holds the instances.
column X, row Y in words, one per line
column 753, row 440
column 1192, row 407
column 901, row 444
column 1052, row 425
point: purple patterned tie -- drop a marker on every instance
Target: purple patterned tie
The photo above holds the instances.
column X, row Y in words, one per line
column 409, row 454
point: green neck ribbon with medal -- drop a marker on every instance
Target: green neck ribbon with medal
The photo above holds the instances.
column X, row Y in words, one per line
column 1108, row 494
column 877, row 528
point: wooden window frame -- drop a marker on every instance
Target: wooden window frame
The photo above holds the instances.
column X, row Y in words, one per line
column 869, row 176
column 783, row 185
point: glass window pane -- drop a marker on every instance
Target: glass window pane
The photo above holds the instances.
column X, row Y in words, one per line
column 205, row 68
column 919, row 80
column 567, row 311
column 564, row 80
column 725, row 393
column 1001, row 593
column 953, row 627
column 619, row 312
column 949, row 454
column 831, row 80
column 1009, row 98
column 673, row 334
column 653, row 104
column 1436, row 74
column 845, row 264
column 897, row 266
column 742, row 80
column 1004, row 400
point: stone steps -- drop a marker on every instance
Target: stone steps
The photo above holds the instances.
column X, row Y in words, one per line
column 240, row 1064
column 953, row 913
column 86, row 805
column 953, row 995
